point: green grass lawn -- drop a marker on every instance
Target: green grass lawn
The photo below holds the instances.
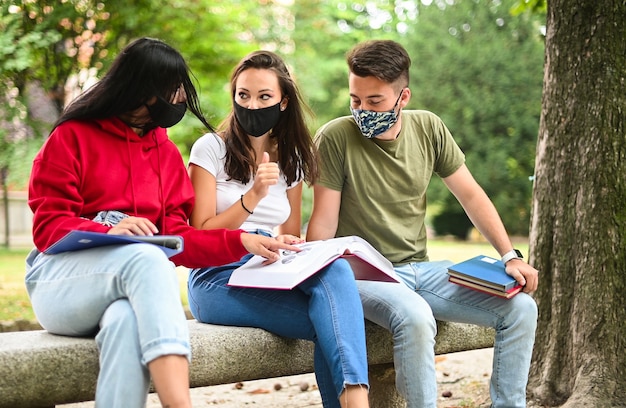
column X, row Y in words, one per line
column 14, row 303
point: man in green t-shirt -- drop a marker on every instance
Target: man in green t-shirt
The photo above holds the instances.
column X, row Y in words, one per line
column 375, row 167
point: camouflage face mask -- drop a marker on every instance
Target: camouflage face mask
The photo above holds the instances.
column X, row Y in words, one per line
column 372, row 123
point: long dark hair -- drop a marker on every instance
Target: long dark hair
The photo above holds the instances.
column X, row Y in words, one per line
column 147, row 67
column 296, row 152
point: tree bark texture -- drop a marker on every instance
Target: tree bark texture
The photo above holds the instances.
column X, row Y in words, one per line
column 578, row 226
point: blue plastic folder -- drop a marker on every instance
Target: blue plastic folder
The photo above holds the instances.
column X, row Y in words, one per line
column 77, row 240
column 486, row 274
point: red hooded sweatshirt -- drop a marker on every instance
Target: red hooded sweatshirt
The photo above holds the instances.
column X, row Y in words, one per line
column 90, row 166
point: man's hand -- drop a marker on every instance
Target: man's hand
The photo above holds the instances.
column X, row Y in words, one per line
column 266, row 247
column 524, row 274
column 134, row 226
column 290, row 239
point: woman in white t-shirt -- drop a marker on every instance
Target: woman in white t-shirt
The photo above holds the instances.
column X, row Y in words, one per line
column 249, row 175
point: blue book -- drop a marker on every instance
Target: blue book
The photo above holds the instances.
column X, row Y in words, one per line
column 486, row 274
column 77, row 240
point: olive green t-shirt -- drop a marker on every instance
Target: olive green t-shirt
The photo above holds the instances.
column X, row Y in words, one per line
column 383, row 183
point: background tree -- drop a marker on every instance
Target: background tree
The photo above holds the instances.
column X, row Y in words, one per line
column 474, row 65
column 480, row 69
column 323, row 32
column 50, row 51
column 65, row 46
column 579, row 213
column 43, row 44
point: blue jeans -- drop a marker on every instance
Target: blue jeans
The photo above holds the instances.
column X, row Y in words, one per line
column 325, row 309
column 126, row 295
column 409, row 312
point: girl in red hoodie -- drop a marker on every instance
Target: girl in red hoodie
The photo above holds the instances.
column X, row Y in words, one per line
column 108, row 166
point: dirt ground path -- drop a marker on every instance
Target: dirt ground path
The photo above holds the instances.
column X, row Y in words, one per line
column 463, row 382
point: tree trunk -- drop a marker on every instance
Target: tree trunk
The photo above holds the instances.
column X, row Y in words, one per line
column 579, row 209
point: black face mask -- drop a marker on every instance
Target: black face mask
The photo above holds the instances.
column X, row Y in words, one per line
column 165, row 114
column 257, row 122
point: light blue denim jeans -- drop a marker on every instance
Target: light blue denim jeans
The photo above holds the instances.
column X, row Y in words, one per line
column 325, row 308
column 126, row 295
column 409, row 312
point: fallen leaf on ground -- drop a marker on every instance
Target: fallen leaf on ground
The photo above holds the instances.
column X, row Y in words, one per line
column 259, row 391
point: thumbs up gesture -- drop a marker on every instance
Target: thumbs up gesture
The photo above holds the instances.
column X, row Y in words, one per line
column 266, row 175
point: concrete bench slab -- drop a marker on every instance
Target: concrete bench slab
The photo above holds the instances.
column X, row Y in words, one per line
column 39, row 369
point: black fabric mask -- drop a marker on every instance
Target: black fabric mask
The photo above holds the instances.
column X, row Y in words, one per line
column 257, row 122
column 165, row 114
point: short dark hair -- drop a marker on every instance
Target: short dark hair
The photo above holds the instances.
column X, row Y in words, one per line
column 145, row 68
column 384, row 59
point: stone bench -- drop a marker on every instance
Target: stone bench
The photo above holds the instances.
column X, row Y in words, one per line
column 38, row 369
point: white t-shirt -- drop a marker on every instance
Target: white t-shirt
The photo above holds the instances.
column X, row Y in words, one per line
column 209, row 152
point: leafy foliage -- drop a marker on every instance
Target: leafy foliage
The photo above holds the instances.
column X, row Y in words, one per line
column 474, row 64
column 480, row 69
column 532, row 6
column 324, row 32
column 72, row 42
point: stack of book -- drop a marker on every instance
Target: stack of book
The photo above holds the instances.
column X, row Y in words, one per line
column 485, row 274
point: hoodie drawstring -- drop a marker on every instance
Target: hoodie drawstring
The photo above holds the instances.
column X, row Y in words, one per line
column 161, row 198
column 132, row 178
column 159, row 175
